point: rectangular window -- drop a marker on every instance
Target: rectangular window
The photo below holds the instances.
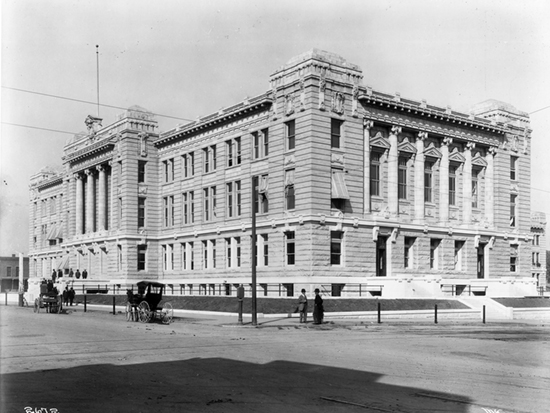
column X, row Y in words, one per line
column 514, row 258
column 141, row 212
column 261, row 186
column 513, row 168
column 168, row 257
column 536, row 239
column 233, row 147
column 402, row 178
column 209, row 206
column 452, row 185
column 187, row 256
column 458, row 258
column 209, row 254
column 434, row 253
column 168, row 166
column 336, row 238
column 262, row 249
column 375, row 174
column 260, row 144
column 290, row 195
column 188, row 199
column 142, row 257
column 119, row 258
column 168, row 210
column 513, row 209
column 409, row 256
column 233, row 201
column 209, row 159
column 141, row 171
column 290, row 132
column 428, row 182
column 8, row 271
column 335, row 133
column 290, row 248
column 188, row 164
column 475, row 188
column 233, row 252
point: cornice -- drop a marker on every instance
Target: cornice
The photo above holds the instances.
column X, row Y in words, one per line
column 89, row 150
column 228, row 114
column 433, row 112
column 56, row 180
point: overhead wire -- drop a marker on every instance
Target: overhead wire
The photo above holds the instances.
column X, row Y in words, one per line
column 87, row 102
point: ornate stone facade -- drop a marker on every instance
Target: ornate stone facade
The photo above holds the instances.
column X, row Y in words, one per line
column 359, row 193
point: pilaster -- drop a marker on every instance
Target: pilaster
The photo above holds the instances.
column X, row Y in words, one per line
column 367, row 125
column 444, row 180
column 419, row 176
column 393, row 202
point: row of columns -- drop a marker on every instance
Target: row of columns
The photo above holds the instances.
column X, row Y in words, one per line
column 86, row 205
column 419, row 164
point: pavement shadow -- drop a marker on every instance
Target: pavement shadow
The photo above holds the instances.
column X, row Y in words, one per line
column 217, row 385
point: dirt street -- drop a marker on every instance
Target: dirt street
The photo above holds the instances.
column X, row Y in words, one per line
column 97, row 362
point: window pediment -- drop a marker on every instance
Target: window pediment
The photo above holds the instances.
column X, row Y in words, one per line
column 479, row 161
column 432, row 152
column 406, row 146
column 380, row 141
column 456, row 156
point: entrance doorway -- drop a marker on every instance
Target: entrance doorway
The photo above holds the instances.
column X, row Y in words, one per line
column 381, row 260
column 481, row 261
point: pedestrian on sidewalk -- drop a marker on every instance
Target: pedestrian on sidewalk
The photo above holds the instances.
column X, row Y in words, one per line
column 66, row 296
column 71, row 295
column 302, row 306
column 318, row 310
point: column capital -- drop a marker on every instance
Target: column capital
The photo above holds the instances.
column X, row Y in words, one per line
column 422, row 135
column 78, row 176
column 447, row 141
column 470, row 146
column 367, row 124
column 100, row 168
column 395, row 130
column 89, row 172
column 492, row 150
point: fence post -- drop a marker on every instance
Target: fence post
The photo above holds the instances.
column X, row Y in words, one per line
column 484, row 314
column 114, row 305
column 84, row 302
column 379, row 312
column 6, row 298
column 436, row 314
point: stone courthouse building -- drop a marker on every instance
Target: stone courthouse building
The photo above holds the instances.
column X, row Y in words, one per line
column 358, row 193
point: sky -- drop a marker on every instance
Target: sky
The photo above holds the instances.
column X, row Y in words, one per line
column 184, row 59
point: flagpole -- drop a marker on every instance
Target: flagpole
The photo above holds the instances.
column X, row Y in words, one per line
column 97, row 61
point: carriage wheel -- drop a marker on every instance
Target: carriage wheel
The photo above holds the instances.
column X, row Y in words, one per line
column 129, row 312
column 36, row 307
column 167, row 313
column 145, row 313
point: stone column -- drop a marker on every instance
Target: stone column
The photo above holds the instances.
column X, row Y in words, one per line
column 444, row 180
column 79, row 180
column 467, row 183
column 102, row 199
column 393, row 202
column 367, row 125
column 419, row 176
column 90, row 201
column 489, row 185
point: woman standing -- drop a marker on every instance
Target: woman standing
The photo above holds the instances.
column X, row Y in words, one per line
column 318, row 310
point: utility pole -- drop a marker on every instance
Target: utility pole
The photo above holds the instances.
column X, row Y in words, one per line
column 254, row 258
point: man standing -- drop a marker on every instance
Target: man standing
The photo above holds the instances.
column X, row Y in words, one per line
column 302, row 306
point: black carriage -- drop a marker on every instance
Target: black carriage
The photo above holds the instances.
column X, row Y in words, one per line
column 145, row 305
column 49, row 299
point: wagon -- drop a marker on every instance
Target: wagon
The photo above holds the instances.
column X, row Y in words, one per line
column 145, row 305
column 51, row 301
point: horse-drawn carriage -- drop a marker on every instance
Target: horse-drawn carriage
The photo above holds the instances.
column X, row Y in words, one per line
column 145, row 305
column 49, row 299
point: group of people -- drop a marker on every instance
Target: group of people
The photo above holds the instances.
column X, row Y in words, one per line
column 68, row 296
column 318, row 310
column 59, row 273
column 77, row 274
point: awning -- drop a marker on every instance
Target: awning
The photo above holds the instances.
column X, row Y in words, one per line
column 51, row 232
column 64, row 263
column 263, row 185
column 58, row 232
column 339, row 189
